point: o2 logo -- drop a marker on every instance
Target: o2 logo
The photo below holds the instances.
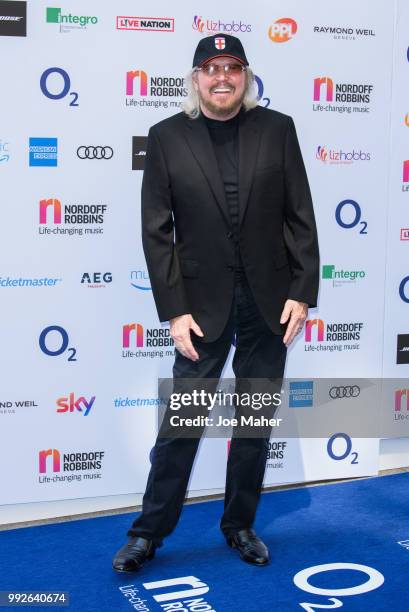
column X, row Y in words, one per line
column 260, row 92
column 356, row 219
column 403, row 296
column 301, row 580
column 348, row 452
column 62, row 345
column 64, row 89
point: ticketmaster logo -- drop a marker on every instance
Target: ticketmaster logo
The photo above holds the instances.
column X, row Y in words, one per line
column 29, row 282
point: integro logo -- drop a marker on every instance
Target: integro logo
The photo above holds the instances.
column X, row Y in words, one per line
column 282, row 30
column 341, row 277
column 339, row 156
column 158, row 88
column 78, row 219
column 53, row 461
column 69, row 22
column 351, row 93
column 134, row 335
column 332, row 336
column 210, row 26
column 70, row 404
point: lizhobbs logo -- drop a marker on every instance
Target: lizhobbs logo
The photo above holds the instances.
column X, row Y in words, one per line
column 341, row 277
column 70, row 404
column 157, row 87
column 339, row 156
column 134, row 335
column 316, row 331
column 351, row 93
column 43, row 152
column 151, row 24
column 210, row 26
column 54, row 461
column 77, row 219
column 69, row 22
column 282, row 30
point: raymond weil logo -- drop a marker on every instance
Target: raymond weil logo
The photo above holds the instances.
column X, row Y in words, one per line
column 340, row 277
column 149, row 24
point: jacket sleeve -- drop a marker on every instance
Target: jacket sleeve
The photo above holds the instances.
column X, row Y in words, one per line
column 158, row 234
column 300, row 233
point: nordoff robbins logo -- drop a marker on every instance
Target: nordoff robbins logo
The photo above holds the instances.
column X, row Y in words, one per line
column 184, row 593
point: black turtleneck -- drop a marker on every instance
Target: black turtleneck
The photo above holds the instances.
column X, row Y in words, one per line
column 225, row 136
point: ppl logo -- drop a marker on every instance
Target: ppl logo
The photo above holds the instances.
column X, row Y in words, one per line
column 322, row 153
column 400, row 395
column 69, row 404
column 42, row 460
column 282, row 30
column 135, row 329
column 309, row 325
column 198, row 23
column 55, row 205
column 131, row 75
column 328, row 84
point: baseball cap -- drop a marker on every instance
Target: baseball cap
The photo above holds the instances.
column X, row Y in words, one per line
column 219, row 45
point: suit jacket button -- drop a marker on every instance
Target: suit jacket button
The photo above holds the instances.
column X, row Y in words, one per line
column 230, row 268
column 230, row 235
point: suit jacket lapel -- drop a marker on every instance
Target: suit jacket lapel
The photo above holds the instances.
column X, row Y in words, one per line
column 249, row 141
column 198, row 138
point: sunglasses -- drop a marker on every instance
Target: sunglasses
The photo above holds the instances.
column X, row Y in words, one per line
column 216, row 69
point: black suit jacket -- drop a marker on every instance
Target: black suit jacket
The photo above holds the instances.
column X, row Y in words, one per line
column 186, row 229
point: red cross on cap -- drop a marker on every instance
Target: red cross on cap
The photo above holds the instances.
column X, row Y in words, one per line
column 220, row 42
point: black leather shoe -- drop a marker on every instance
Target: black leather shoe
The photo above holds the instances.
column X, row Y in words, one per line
column 132, row 556
column 251, row 548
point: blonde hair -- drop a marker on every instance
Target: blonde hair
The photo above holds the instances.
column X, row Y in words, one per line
column 191, row 104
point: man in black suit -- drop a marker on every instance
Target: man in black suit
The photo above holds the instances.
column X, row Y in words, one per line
column 231, row 246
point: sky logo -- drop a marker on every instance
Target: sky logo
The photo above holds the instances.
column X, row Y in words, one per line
column 68, row 404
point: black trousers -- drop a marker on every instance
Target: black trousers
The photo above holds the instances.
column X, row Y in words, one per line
column 259, row 354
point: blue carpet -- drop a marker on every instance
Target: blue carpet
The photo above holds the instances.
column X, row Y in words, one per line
column 358, row 522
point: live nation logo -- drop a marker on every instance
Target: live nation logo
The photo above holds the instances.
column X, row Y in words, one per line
column 149, row 24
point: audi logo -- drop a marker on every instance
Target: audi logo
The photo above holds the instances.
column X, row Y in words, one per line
column 341, row 392
column 95, row 152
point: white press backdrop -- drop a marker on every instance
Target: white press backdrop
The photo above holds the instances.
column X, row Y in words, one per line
column 350, row 152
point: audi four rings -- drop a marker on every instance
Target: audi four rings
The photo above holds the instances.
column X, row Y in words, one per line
column 340, row 392
column 95, row 152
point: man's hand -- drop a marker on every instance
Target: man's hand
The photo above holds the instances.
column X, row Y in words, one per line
column 296, row 313
column 180, row 332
